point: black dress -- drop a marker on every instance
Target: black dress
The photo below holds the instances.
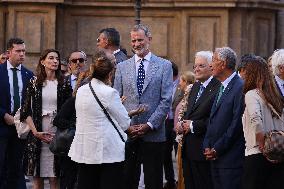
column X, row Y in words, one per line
column 66, row 118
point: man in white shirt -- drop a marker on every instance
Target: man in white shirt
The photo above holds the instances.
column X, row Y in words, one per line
column 196, row 170
column 14, row 79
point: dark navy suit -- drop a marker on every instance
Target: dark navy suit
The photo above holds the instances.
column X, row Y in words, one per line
column 225, row 135
column 10, row 145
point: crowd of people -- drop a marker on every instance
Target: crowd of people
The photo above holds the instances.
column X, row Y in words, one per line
column 131, row 113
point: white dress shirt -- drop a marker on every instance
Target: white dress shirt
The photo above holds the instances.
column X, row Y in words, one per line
column 96, row 141
column 20, row 82
column 73, row 81
column 280, row 84
column 146, row 62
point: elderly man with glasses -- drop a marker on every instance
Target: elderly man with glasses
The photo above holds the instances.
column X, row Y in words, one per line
column 77, row 61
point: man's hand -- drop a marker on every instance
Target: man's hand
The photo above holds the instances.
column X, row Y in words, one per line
column 132, row 131
column 9, row 119
column 210, row 153
column 123, row 99
column 185, row 126
column 143, row 129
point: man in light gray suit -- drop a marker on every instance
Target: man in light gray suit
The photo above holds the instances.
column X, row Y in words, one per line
column 145, row 79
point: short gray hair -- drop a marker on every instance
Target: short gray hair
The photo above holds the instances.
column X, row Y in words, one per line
column 228, row 55
column 277, row 59
column 143, row 28
column 205, row 54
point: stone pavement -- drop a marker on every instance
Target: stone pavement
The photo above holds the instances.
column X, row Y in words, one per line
column 141, row 184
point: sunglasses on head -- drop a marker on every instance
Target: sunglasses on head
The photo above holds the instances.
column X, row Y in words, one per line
column 81, row 60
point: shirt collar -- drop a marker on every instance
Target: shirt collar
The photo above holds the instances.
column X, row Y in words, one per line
column 227, row 81
column 138, row 59
column 9, row 66
column 279, row 80
column 207, row 82
column 73, row 77
column 116, row 51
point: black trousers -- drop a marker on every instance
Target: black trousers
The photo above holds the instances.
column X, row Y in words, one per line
column 197, row 174
column 68, row 173
column 259, row 173
column 101, row 176
column 150, row 154
column 168, row 161
column 11, row 156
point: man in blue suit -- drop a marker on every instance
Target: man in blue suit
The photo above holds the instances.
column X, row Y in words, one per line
column 145, row 79
column 224, row 140
column 13, row 78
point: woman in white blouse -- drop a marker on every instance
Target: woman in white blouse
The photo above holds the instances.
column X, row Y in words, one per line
column 260, row 91
column 97, row 146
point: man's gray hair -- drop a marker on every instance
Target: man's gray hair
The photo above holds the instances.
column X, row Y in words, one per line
column 277, row 59
column 205, row 54
column 142, row 27
column 228, row 55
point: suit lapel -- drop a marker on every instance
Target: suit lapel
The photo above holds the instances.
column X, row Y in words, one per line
column 150, row 73
column 131, row 74
column 206, row 92
column 25, row 77
column 192, row 96
column 224, row 95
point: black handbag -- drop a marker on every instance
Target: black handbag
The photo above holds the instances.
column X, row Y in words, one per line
column 105, row 111
column 62, row 141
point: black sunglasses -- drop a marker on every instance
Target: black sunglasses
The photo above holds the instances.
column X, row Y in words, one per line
column 81, row 60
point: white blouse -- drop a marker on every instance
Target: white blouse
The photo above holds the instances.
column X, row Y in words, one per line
column 96, row 141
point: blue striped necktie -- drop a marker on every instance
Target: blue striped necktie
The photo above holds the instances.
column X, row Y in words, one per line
column 201, row 89
column 140, row 77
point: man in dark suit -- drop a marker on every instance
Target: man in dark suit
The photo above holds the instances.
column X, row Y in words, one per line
column 13, row 78
column 196, row 169
column 109, row 39
column 224, row 143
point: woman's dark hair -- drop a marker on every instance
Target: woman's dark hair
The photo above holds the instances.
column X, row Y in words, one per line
column 258, row 76
column 40, row 70
column 101, row 65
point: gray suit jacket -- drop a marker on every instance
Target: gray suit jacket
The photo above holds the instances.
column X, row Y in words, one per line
column 120, row 57
column 156, row 93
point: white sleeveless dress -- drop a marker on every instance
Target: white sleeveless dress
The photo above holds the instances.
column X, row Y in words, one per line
column 49, row 108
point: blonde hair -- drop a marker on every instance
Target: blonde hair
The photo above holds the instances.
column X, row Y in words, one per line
column 188, row 77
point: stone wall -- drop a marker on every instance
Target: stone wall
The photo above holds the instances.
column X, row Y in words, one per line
column 180, row 28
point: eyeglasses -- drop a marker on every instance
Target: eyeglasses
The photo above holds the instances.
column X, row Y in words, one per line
column 81, row 60
column 199, row 66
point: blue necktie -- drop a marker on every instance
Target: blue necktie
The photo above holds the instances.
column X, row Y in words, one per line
column 16, row 96
column 201, row 89
column 140, row 77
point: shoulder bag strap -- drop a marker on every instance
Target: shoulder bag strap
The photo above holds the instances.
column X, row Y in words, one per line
column 105, row 111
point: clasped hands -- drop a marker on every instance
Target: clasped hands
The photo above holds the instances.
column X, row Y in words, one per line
column 44, row 136
column 135, row 131
column 183, row 127
column 210, row 154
